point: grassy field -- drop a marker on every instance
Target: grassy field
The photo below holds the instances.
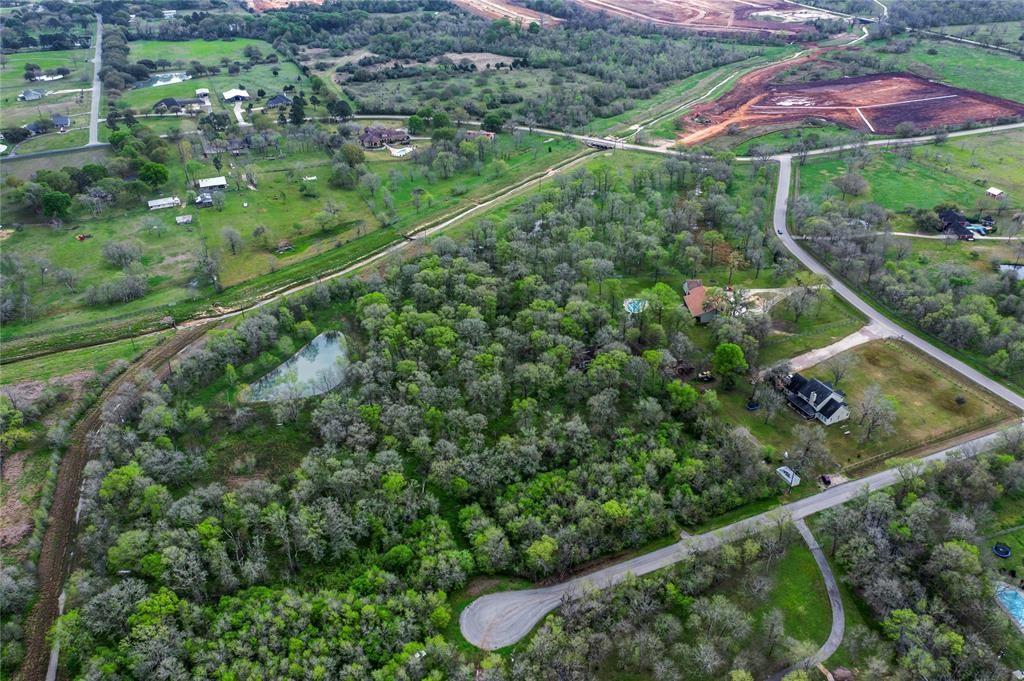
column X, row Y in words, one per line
column 72, row 138
column 923, row 393
column 24, row 168
column 799, row 592
column 281, row 208
column 959, row 170
column 1002, row 33
column 206, row 52
column 786, row 139
column 974, row 68
column 832, row 320
column 162, row 125
column 62, row 363
column 12, row 79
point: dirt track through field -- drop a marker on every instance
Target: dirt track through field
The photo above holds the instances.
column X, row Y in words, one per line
column 55, row 554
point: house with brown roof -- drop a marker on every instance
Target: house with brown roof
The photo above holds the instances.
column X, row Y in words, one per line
column 695, row 298
column 378, row 138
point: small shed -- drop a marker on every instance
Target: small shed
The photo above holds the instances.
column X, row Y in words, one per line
column 219, row 182
column 995, row 193
column 165, row 202
column 203, row 92
column 184, row 219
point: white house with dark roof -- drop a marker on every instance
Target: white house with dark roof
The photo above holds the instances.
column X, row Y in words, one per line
column 235, row 95
column 816, row 400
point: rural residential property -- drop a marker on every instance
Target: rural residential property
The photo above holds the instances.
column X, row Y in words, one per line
column 512, row 340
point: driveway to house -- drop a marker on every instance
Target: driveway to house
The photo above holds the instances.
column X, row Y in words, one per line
column 835, row 601
column 97, row 86
column 882, row 323
column 500, row 619
column 238, row 115
column 865, row 334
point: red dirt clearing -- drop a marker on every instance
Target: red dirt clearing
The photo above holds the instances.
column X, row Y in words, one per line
column 710, row 15
column 264, row 5
column 503, row 9
column 872, row 103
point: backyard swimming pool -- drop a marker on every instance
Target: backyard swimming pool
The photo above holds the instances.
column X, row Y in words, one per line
column 315, row 369
column 1012, row 601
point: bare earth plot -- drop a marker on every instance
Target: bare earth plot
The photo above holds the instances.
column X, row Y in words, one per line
column 875, row 103
column 264, row 5
column 710, row 15
column 503, row 9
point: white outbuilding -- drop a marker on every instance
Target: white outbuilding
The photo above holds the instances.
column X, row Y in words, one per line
column 165, row 202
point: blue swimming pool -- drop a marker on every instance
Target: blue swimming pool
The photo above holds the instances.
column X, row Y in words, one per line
column 1013, row 601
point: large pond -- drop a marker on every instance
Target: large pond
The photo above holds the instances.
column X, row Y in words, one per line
column 163, row 79
column 316, row 368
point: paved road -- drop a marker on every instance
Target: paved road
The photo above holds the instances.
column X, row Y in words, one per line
column 888, row 326
column 97, row 86
column 835, row 600
column 500, row 619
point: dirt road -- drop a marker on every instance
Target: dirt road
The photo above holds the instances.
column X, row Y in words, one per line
column 55, row 554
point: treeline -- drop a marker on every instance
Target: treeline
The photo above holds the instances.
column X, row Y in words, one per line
column 499, row 379
column 911, row 554
column 926, row 13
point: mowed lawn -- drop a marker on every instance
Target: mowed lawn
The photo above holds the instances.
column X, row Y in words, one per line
column 53, row 140
column 959, row 171
column 924, row 395
column 206, row 52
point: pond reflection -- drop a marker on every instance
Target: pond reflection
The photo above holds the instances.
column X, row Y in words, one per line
column 315, row 369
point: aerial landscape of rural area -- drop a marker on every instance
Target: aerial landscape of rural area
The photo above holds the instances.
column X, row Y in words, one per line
column 512, row 340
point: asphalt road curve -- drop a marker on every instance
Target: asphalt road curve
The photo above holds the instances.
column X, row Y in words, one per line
column 500, row 619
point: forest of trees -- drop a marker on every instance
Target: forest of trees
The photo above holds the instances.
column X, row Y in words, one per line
column 56, row 25
column 500, row 377
column 927, row 13
column 911, row 554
